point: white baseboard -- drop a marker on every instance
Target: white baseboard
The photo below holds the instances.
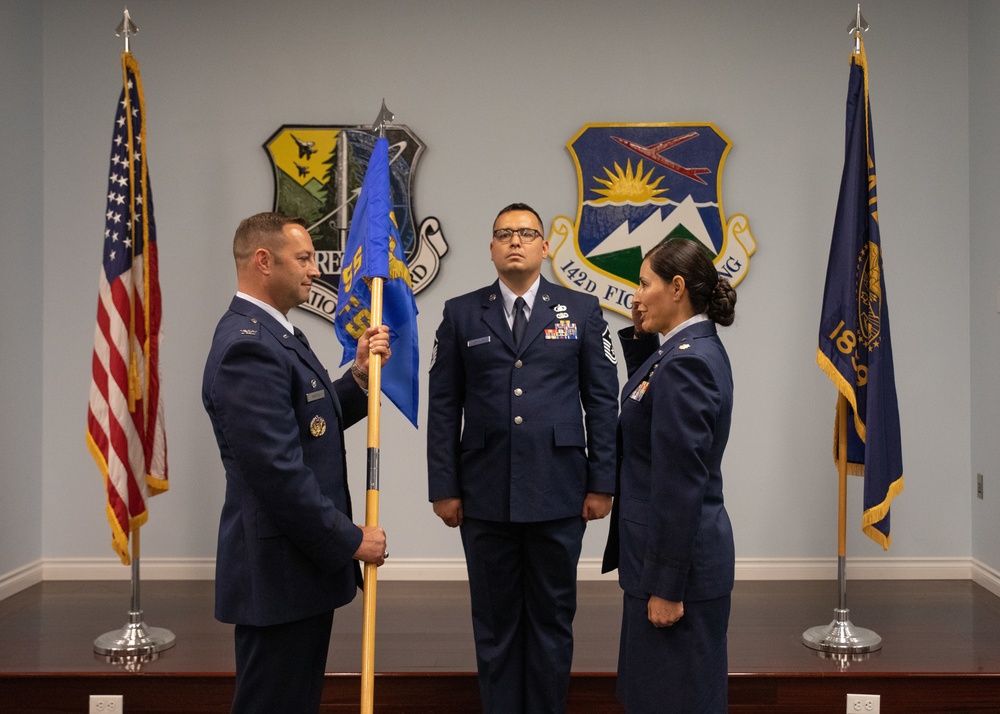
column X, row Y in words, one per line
column 986, row 576
column 112, row 569
column 17, row 580
column 430, row 569
column 857, row 568
column 423, row 569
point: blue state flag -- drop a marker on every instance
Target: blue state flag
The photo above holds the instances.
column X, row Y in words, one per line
column 374, row 250
column 854, row 346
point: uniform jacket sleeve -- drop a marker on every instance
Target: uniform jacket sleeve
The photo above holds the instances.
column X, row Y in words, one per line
column 599, row 396
column 446, row 396
column 635, row 350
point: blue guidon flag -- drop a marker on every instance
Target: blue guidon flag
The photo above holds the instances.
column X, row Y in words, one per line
column 374, row 250
column 318, row 171
column 638, row 185
column 854, row 346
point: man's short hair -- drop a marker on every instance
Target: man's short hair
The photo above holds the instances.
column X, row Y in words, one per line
column 520, row 207
column 261, row 230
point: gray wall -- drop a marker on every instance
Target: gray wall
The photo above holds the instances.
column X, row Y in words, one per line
column 21, row 287
column 496, row 91
column 984, row 213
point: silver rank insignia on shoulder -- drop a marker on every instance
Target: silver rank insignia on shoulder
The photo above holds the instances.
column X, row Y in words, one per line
column 317, row 427
column 683, row 347
column 248, row 332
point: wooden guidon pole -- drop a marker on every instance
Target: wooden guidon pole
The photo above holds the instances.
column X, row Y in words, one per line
column 371, row 509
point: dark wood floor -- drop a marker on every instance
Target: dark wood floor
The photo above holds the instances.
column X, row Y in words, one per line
column 941, row 650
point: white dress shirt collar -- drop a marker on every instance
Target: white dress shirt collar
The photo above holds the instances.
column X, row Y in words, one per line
column 508, row 299
column 269, row 309
column 687, row 323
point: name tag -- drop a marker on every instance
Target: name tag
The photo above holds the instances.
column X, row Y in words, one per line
column 478, row 341
column 313, row 396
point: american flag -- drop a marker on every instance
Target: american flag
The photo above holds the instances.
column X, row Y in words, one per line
column 125, row 415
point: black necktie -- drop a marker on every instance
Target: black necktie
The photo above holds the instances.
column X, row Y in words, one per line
column 520, row 321
column 302, row 336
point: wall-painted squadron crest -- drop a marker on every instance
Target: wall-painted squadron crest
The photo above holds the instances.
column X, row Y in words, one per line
column 318, row 172
column 640, row 184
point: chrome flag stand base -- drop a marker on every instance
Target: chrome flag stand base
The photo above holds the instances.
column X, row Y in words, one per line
column 841, row 636
column 135, row 639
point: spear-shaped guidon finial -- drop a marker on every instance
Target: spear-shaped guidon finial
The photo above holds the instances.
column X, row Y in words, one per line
column 127, row 28
column 383, row 119
column 857, row 26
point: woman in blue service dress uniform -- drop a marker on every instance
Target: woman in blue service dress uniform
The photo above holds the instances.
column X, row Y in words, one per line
column 671, row 538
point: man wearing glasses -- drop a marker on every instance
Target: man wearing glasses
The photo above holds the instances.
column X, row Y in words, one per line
column 520, row 455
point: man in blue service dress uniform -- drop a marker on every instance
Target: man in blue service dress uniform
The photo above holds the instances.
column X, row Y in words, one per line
column 288, row 549
column 520, row 454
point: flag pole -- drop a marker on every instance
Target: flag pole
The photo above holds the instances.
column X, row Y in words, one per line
column 841, row 636
column 135, row 643
column 126, row 28
column 371, row 509
column 371, row 495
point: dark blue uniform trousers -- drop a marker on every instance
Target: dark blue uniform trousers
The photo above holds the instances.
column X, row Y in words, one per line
column 280, row 668
column 522, row 578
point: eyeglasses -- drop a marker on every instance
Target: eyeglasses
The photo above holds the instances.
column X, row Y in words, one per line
column 527, row 235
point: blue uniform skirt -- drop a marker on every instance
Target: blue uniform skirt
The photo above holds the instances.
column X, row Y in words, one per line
column 682, row 669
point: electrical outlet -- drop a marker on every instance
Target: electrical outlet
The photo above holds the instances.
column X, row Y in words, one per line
column 866, row 703
column 979, row 486
column 106, row 704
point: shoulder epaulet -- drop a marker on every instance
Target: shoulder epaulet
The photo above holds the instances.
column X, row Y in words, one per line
column 249, row 327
